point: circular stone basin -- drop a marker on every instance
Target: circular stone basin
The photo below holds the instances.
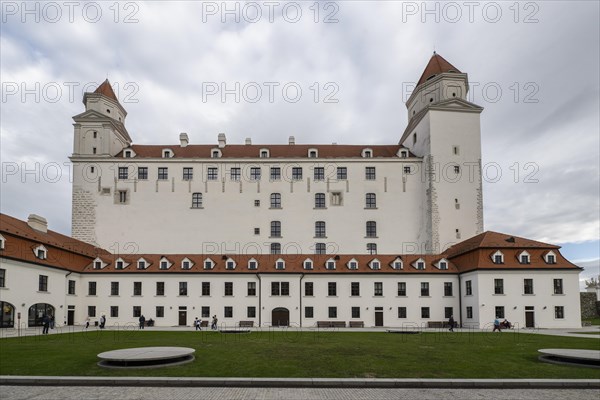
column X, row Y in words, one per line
column 146, row 357
column 580, row 357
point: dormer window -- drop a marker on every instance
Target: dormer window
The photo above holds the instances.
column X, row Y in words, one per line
column 330, row 264
column 120, row 264
column 280, row 264
column 41, row 252
column 2, row 242
column 367, row 153
column 550, row 258
column 186, row 263
column 313, row 153
column 209, row 264
column 166, row 153
column 353, row 264
column 142, row 264
column 498, row 257
column 215, row 153
column 375, row 264
column 420, row 264
column 264, row 153
column 443, row 264
column 252, row 264
column 524, row 258
column 308, row 264
column 397, row 264
column 230, row 264
column 404, row 154
column 127, row 153
column 98, row 264
column 164, row 264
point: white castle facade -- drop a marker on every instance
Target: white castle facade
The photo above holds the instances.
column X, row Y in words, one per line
column 293, row 234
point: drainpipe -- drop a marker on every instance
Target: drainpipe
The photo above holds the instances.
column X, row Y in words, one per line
column 259, row 300
column 300, row 296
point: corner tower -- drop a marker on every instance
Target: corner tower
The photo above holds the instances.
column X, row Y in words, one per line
column 99, row 135
column 444, row 129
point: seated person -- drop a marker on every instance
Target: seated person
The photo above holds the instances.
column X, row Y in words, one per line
column 506, row 324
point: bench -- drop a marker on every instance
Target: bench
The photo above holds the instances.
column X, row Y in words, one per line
column 356, row 324
column 331, row 324
column 440, row 324
column 246, row 324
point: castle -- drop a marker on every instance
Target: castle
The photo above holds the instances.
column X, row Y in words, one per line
column 278, row 235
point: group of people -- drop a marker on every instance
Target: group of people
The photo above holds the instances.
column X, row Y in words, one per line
column 498, row 326
column 213, row 324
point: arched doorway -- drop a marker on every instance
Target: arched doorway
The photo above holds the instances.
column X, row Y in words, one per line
column 280, row 317
column 37, row 312
column 7, row 318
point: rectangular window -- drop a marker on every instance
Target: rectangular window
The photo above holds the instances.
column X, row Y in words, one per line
column 499, row 311
column 275, row 173
column 251, row 288
column 448, row 312
column 401, row 312
column 285, row 288
column 71, row 287
column 275, row 248
column 469, row 312
column 319, row 200
column 160, row 311
column 370, row 200
column 114, row 311
column 163, row 173
column 308, row 289
column 228, row 288
column 468, row 288
column 212, row 174
column 498, row 286
column 371, row 229
column 43, row 283
column 424, row 312
column 372, row 248
column 160, row 288
column 355, row 312
column 332, row 312
column 91, row 311
column 297, row 173
column 308, row 312
column 370, row 173
column 122, row 196
column 447, row 288
column 235, row 173
column 320, row 229
column 275, row 200
column 91, row 288
column 528, row 286
column 205, row 288
column 188, row 174
column 228, row 312
column 251, row 312
column 342, row 173
column 424, row 288
column 137, row 311
column 123, row 172
column 319, row 173
column 205, row 312
column 401, row 288
column 274, row 288
column 331, row 289
column 355, row 289
column 276, row 229
column 183, row 289
column 407, row 170
column 336, row 198
column 378, row 289
column 142, row 173
column 559, row 312
column 255, row 173
column 558, row 286
column 137, row 288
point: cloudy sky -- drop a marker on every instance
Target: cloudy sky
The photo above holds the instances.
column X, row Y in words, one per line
column 323, row 72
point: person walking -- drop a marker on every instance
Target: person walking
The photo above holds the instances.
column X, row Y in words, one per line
column 102, row 321
column 451, row 323
column 214, row 322
column 497, row 325
column 142, row 321
column 45, row 324
column 196, row 323
column 87, row 322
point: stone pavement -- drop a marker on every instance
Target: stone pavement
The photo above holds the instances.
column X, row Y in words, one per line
column 235, row 393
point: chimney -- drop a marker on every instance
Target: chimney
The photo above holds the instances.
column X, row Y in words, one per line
column 183, row 139
column 38, row 223
column 222, row 140
column 292, row 140
column 248, row 141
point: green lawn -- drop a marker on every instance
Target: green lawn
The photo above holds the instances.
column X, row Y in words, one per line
column 303, row 354
column 594, row 321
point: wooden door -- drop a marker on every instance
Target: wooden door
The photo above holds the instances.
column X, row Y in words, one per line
column 378, row 318
column 182, row 318
column 70, row 317
column 529, row 319
column 280, row 317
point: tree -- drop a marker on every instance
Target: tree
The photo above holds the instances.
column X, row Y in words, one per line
column 592, row 283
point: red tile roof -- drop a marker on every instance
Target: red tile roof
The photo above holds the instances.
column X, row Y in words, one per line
column 496, row 240
column 275, row 150
column 106, row 90
column 437, row 65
